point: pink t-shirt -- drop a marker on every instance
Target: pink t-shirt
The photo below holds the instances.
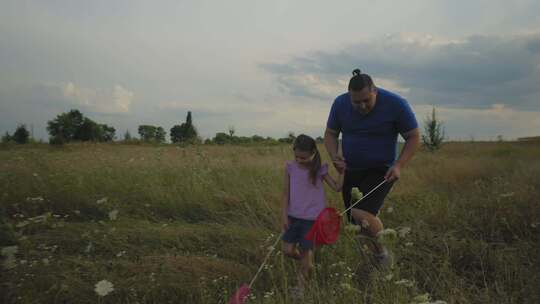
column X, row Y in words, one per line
column 306, row 200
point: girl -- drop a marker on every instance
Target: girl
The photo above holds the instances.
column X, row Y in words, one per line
column 303, row 200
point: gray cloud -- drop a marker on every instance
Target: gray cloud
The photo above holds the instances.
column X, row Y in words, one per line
column 474, row 72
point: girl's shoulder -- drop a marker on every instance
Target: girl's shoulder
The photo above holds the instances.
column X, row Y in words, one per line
column 289, row 165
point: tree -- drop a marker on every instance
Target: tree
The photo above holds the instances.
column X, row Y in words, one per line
column 127, row 136
column 107, row 133
column 185, row 132
column 6, row 138
column 151, row 133
column 73, row 125
column 231, row 131
column 433, row 132
column 160, row 135
column 66, row 125
column 222, row 138
column 21, row 135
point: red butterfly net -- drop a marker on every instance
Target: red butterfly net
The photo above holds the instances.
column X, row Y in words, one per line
column 325, row 230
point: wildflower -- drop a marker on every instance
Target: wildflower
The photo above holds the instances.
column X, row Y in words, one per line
column 35, row 199
column 356, row 195
column 404, row 231
column 423, row 298
column 9, row 252
column 346, row 286
column 404, row 282
column 35, row 175
column 101, row 201
column 509, row 194
column 388, row 277
column 22, row 224
column 113, row 215
column 104, row 287
column 409, row 244
column 390, row 209
column 387, row 235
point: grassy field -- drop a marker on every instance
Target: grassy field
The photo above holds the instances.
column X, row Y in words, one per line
column 166, row 224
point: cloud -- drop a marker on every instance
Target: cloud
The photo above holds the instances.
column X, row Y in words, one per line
column 99, row 101
column 473, row 72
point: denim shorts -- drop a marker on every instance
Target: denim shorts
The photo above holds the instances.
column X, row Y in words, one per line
column 298, row 228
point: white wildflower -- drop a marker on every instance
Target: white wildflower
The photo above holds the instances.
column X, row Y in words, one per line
column 104, row 287
column 89, row 247
column 404, row 282
column 387, row 235
column 35, row 199
column 113, row 215
column 390, row 209
column 356, row 195
column 9, row 250
column 509, row 194
column 404, row 231
column 22, row 224
column 101, row 201
column 423, row 298
column 346, row 286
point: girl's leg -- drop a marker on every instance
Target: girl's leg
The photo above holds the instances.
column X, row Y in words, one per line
column 306, row 264
column 290, row 250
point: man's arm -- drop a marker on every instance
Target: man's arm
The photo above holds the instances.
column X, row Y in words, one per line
column 331, row 144
column 412, row 141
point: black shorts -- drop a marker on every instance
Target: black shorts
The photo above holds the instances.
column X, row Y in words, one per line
column 366, row 180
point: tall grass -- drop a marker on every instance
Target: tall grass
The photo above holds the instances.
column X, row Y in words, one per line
column 167, row 224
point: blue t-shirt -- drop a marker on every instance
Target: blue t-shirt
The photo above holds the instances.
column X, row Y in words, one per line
column 370, row 140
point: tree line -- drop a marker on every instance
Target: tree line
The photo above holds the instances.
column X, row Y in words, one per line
column 74, row 126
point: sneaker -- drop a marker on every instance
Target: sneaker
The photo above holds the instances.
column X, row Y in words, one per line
column 385, row 260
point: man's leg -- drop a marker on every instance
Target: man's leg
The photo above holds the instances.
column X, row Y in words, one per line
column 371, row 224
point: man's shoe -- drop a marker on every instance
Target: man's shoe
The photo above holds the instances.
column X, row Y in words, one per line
column 384, row 260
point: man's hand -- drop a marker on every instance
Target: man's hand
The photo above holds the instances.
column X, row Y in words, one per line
column 339, row 164
column 393, row 173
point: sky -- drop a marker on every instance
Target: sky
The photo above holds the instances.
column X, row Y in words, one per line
column 268, row 67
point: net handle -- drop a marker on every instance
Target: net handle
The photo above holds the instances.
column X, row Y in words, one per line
column 363, row 197
column 266, row 258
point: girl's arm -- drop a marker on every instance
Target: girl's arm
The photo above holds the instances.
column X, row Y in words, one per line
column 285, row 202
column 336, row 185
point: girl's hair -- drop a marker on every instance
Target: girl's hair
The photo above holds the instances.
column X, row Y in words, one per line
column 308, row 144
column 359, row 81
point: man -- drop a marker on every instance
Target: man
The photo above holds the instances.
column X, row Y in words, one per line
column 370, row 120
